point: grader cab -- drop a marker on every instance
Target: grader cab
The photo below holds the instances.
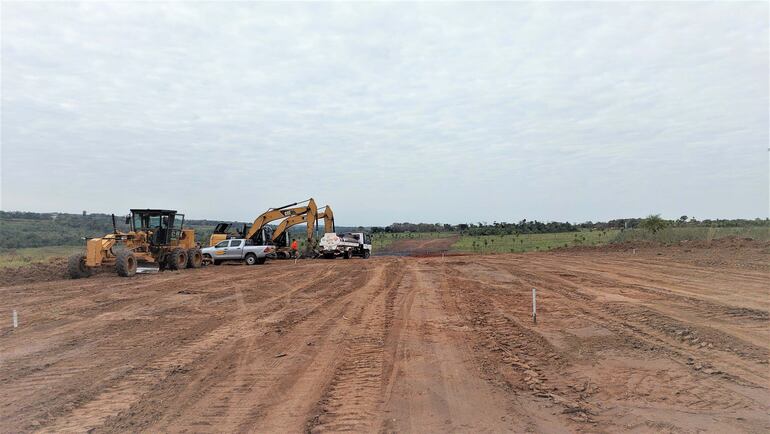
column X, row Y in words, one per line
column 154, row 236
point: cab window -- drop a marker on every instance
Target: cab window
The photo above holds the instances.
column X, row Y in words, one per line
column 221, row 244
column 235, row 243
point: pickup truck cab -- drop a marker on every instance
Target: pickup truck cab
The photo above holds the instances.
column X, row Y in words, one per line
column 236, row 249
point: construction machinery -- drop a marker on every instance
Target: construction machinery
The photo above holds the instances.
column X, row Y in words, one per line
column 328, row 217
column 346, row 245
column 257, row 231
column 281, row 234
column 154, row 236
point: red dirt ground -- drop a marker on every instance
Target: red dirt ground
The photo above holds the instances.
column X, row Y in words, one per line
column 663, row 339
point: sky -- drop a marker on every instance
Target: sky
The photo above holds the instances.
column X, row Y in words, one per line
column 431, row 112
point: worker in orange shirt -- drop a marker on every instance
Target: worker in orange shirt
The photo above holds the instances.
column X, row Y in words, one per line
column 294, row 247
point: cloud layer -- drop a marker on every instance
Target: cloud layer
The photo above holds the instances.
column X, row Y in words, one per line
column 389, row 112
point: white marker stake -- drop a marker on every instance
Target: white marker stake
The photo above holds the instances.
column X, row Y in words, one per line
column 534, row 305
column 15, row 319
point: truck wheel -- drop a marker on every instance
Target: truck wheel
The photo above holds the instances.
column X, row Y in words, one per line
column 250, row 259
column 328, row 255
column 194, row 258
column 76, row 266
column 125, row 263
column 176, row 260
column 261, row 260
column 367, row 253
column 346, row 255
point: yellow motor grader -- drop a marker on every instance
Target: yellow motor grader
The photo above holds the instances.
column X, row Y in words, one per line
column 155, row 236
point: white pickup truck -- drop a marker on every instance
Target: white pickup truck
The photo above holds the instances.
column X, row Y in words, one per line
column 346, row 245
column 236, row 249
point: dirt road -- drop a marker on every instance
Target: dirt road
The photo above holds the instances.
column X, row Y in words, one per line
column 659, row 340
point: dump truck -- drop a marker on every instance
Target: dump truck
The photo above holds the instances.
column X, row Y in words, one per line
column 346, row 245
column 155, row 236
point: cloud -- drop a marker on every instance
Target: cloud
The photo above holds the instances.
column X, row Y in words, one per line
column 389, row 112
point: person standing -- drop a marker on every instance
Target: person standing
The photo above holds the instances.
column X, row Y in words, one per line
column 294, row 247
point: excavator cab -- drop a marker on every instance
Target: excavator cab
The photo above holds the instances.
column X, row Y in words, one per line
column 222, row 228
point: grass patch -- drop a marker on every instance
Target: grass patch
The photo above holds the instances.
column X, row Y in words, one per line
column 384, row 239
column 14, row 258
column 531, row 242
column 675, row 235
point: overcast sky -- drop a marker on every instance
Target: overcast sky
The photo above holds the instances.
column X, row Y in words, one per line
column 388, row 112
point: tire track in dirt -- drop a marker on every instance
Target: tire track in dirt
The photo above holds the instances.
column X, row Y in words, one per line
column 639, row 320
column 432, row 386
column 353, row 398
column 630, row 323
column 259, row 389
column 397, row 344
column 94, row 401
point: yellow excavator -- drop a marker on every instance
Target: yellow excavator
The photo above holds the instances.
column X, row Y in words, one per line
column 281, row 234
column 257, row 230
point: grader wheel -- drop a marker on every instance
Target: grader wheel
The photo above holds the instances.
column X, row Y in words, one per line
column 125, row 263
column 177, row 259
column 76, row 266
column 194, row 258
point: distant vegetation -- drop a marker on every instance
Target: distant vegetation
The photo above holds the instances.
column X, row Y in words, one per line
column 13, row 258
column 383, row 239
column 531, row 242
column 653, row 223
column 26, row 229
column 670, row 235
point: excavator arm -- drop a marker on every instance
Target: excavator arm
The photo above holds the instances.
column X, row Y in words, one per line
column 328, row 216
column 279, row 213
column 298, row 219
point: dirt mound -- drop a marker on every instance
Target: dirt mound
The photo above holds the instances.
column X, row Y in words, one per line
column 55, row 269
column 730, row 242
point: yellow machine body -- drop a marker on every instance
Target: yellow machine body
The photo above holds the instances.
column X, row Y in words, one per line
column 99, row 251
column 328, row 217
column 266, row 217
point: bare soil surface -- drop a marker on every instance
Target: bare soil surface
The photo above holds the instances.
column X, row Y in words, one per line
column 657, row 339
column 418, row 247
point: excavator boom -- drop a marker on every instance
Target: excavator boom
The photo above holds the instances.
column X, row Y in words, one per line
column 298, row 219
column 328, row 216
column 279, row 213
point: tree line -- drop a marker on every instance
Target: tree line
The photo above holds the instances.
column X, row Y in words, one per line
column 652, row 222
column 28, row 229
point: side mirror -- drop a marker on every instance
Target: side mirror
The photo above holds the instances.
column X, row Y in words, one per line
column 128, row 219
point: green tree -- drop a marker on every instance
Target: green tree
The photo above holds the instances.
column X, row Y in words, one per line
column 653, row 223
